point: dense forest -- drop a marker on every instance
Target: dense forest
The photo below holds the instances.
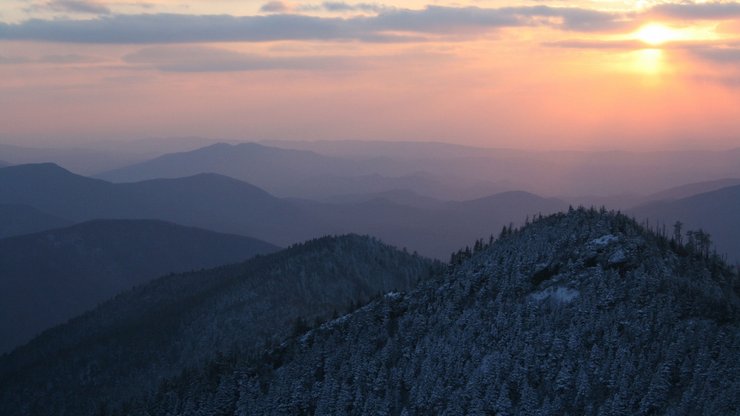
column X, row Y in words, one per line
column 123, row 348
column 579, row 313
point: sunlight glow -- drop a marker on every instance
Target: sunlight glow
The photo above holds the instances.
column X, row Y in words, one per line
column 648, row 61
column 656, row 34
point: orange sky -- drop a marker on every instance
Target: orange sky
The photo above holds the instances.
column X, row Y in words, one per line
column 559, row 74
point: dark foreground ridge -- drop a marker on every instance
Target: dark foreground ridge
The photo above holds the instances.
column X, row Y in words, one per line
column 49, row 277
column 578, row 313
column 123, row 349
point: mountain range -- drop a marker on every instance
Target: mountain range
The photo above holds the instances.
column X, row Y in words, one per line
column 284, row 172
column 224, row 204
column 94, row 157
column 207, row 200
column 403, row 218
column 329, row 169
column 588, row 312
column 49, row 277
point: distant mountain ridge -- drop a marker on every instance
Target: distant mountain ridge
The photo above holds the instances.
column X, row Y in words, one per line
column 715, row 212
column 692, row 189
column 268, row 167
column 435, row 231
column 327, row 169
column 296, row 173
column 82, row 160
column 402, row 149
column 122, row 349
column 49, row 277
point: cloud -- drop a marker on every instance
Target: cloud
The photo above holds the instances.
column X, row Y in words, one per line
column 177, row 28
column 340, row 6
column 694, row 11
column 596, row 44
column 77, row 6
column 210, row 59
column 726, row 81
column 718, row 54
column 442, row 20
column 383, row 27
column 578, row 19
column 13, row 60
column 71, row 58
column 48, row 59
column 275, row 7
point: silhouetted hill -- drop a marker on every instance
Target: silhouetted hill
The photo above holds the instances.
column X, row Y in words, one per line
column 268, row 167
column 24, row 219
column 716, row 212
column 124, row 347
column 585, row 313
column 82, row 160
column 206, row 200
column 50, row 188
column 49, row 277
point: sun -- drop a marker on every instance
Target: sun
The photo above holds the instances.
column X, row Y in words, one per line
column 656, row 34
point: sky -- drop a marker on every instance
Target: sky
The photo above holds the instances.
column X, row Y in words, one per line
column 543, row 74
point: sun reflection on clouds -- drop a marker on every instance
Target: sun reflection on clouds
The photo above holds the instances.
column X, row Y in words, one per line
column 656, row 34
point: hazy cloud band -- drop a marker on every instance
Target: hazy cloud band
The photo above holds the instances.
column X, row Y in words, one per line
column 180, row 28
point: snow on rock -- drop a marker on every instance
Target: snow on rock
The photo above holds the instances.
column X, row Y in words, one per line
column 618, row 257
column 604, row 240
column 557, row 293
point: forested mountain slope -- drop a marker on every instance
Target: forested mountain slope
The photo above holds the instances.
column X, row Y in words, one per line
column 127, row 345
column 578, row 313
column 51, row 276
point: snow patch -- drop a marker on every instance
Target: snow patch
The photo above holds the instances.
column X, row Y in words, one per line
column 604, row 240
column 304, row 338
column 558, row 294
column 618, row 257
